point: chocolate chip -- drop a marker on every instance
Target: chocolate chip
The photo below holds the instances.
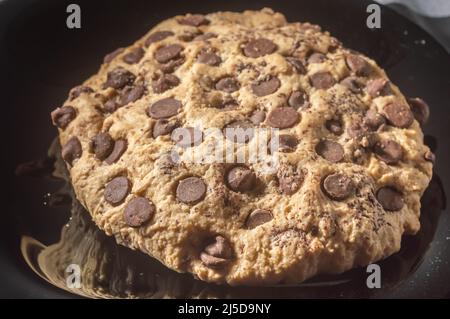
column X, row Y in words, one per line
column 356, row 130
column 228, row 84
column 168, row 52
column 102, row 145
column 241, row 179
column 285, row 143
column 388, row 151
column 206, row 36
column 317, row 58
column 390, row 198
column 62, row 116
column 373, row 120
column 194, row 20
column 209, row 58
column 289, row 179
column 226, row 105
column 117, row 190
column 172, row 65
column 131, row 94
column 257, row 218
column 134, row 56
column 330, row 150
column 165, row 82
column 259, row 47
column 398, row 114
column 334, row 126
column 429, row 156
column 420, row 109
column 358, row 65
column 120, row 146
column 322, row 80
column 297, row 64
column 239, row 131
column 378, row 87
column 266, row 87
column 78, row 90
column 163, row 127
column 191, row 190
column 71, row 150
column 337, row 186
column 258, row 117
column 138, row 211
column 353, row 83
column 110, row 56
column 119, row 78
column 157, row 36
column 164, row 108
column 297, row 99
column 187, row 136
column 111, row 106
column 283, row 117
column 217, row 252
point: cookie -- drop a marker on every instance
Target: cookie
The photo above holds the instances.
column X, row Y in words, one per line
column 351, row 163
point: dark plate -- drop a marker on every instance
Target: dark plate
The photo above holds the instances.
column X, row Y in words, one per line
column 43, row 60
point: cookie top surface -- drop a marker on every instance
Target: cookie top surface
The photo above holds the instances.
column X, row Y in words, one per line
column 351, row 164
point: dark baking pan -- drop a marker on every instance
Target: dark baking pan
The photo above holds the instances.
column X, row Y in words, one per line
column 42, row 59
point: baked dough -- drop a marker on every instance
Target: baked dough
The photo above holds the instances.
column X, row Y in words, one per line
column 352, row 162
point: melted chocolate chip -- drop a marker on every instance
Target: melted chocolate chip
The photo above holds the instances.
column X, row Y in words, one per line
column 283, row 117
column 120, row 146
column 297, row 64
column 257, row 218
column 388, row 151
column 62, row 116
column 78, row 90
column 157, row 36
column 187, row 137
column 131, row 94
column 337, row 186
column 163, row 127
column 322, row 80
column 398, row 114
column 266, row 87
column 429, row 156
column 134, row 56
column 110, row 56
column 119, row 78
column 297, row 99
column 102, row 145
column 241, row 179
column 228, row 84
column 191, row 190
column 378, row 87
column 285, row 143
column 217, row 252
column 172, row 65
column 164, row 108
column 258, row 117
column 390, row 198
column 358, row 65
column 317, row 58
column 353, row 83
column 194, row 20
column 259, row 47
column 239, row 131
column 209, row 58
column 167, row 53
column 71, row 150
column 331, row 151
column 373, row 120
column 117, row 190
column 138, row 211
column 165, row 82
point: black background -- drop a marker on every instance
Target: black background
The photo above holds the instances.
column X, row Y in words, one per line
column 41, row 60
